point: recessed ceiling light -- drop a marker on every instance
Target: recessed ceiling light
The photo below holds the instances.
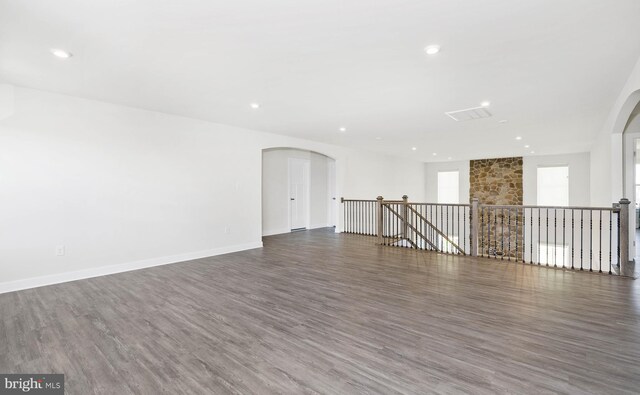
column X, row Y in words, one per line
column 378, row 138
column 502, row 121
column 434, row 154
column 449, row 158
column 518, row 137
column 432, row 49
column 413, row 148
column 533, row 152
column 255, row 106
column 485, row 103
column 61, row 53
column 343, row 129
column 527, row 146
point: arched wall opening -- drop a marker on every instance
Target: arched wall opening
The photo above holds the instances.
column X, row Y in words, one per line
column 630, row 168
column 299, row 190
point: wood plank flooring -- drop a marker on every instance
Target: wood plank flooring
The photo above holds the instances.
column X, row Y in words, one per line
column 318, row 312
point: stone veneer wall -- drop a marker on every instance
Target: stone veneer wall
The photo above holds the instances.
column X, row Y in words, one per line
column 498, row 181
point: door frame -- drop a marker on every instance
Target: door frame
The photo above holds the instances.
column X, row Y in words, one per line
column 307, row 168
column 332, row 209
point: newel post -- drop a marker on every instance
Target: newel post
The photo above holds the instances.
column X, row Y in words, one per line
column 473, row 226
column 405, row 216
column 379, row 221
column 626, row 267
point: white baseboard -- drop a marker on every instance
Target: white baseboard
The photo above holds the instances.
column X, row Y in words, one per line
column 318, row 226
column 41, row 281
column 285, row 230
column 276, row 232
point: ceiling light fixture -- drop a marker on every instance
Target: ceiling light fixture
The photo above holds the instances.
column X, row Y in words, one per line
column 413, row 148
column 432, row 49
column 449, row 158
column 255, row 106
column 61, row 53
column 527, row 146
column 518, row 137
column 533, row 152
column 485, row 103
column 502, row 121
column 378, row 138
column 343, row 129
column 434, row 154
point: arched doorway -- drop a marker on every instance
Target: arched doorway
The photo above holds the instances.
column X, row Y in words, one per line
column 298, row 190
column 628, row 125
column 631, row 174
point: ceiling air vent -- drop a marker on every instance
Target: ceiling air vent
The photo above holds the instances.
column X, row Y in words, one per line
column 469, row 114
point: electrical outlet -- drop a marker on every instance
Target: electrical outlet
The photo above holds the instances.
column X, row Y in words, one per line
column 60, row 250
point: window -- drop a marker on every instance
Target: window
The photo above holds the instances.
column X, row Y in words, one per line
column 448, row 187
column 553, row 186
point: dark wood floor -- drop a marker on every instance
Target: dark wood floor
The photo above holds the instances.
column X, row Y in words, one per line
column 318, row 312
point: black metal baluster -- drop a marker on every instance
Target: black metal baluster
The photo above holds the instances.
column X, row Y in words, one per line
column 362, row 217
column 396, row 223
column 517, row 260
column 581, row 237
column 546, row 222
column 344, row 216
column 555, row 238
column 495, row 236
column 489, row 210
column 482, row 231
column 524, row 230
column 391, row 222
column 531, row 237
column 367, row 222
column 502, row 233
column 441, row 228
column 464, row 227
column 359, row 220
column 347, row 213
column 618, row 257
column 539, row 226
column 447, row 231
column 509, row 232
column 354, row 220
column 590, row 240
column 600, row 238
column 372, row 221
column 386, row 224
column 564, row 219
column 353, row 217
column 610, row 237
column 573, row 231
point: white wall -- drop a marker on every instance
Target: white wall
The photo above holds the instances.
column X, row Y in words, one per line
column 275, row 189
column 124, row 188
column 431, row 179
column 607, row 150
column 579, row 177
column 608, row 160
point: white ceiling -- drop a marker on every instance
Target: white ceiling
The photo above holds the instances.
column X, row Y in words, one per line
column 551, row 68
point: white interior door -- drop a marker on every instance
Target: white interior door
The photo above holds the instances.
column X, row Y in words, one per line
column 331, row 188
column 299, row 193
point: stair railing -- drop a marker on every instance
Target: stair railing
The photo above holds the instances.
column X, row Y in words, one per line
column 580, row 238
